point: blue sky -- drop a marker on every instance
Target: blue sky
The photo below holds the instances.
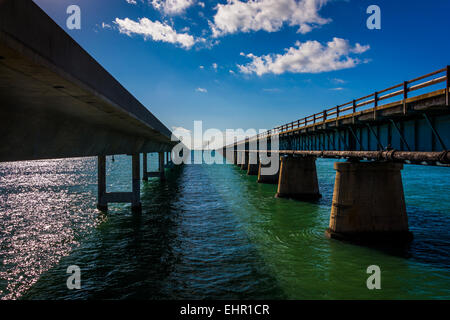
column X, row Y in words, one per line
column 274, row 63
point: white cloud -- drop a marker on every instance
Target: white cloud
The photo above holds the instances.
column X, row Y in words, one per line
column 106, row 26
column 202, row 90
column 201, row 4
column 267, row 15
column 172, row 7
column 131, row 1
column 202, row 67
column 337, row 80
column 306, row 57
column 214, row 65
column 337, row 89
column 155, row 30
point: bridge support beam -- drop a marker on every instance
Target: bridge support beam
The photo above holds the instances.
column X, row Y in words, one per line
column 144, row 167
column 244, row 160
column 253, row 164
column 298, row 178
column 133, row 197
column 368, row 203
column 162, row 175
column 268, row 179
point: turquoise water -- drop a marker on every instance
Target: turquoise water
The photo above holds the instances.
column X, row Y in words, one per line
column 209, row 231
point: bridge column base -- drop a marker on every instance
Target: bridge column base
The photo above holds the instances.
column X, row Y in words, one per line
column 368, row 203
column 144, row 167
column 298, row 179
column 267, row 178
column 253, row 164
column 133, row 197
column 244, row 161
column 162, row 175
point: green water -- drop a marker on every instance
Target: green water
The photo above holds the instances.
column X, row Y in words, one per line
column 209, row 231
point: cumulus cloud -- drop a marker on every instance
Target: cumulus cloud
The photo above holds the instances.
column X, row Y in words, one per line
column 155, row 30
column 306, row 57
column 202, row 90
column 172, row 7
column 268, row 15
column 131, row 1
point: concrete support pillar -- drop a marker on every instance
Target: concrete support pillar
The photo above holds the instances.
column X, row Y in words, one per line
column 102, row 204
column 133, row 197
column 368, row 203
column 161, row 166
column 298, row 178
column 235, row 157
column 253, row 164
column 136, row 184
column 144, row 167
column 268, row 179
column 244, row 164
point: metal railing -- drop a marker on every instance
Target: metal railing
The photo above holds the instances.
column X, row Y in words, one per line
column 370, row 101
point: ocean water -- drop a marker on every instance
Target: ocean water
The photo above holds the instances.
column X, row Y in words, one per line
column 209, row 231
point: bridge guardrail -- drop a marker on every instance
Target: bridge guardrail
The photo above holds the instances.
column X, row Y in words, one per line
column 371, row 100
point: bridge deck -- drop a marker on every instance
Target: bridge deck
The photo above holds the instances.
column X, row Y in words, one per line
column 56, row 101
column 416, row 127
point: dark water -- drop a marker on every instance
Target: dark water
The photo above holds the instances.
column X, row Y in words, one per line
column 209, row 231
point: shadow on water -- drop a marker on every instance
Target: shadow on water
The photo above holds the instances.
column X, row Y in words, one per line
column 184, row 245
column 211, row 231
column 128, row 256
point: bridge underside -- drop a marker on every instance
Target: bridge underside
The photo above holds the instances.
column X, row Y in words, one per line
column 56, row 101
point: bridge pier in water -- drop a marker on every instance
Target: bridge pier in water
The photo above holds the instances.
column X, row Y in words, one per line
column 160, row 173
column 368, row 203
column 253, row 164
column 133, row 197
column 298, row 178
column 244, row 160
column 267, row 178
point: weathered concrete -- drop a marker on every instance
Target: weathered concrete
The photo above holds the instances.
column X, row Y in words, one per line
column 133, row 197
column 244, row 161
column 102, row 204
column 368, row 203
column 268, row 179
column 144, row 167
column 57, row 101
column 253, row 164
column 298, row 178
column 136, row 183
column 238, row 158
column 162, row 175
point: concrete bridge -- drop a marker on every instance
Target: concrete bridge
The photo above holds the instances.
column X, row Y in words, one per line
column 405, row 123
column 56, row 101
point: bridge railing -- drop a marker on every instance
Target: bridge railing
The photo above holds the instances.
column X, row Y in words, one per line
column 371, row 101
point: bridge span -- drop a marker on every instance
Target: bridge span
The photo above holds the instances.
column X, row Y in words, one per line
column 56, row 101
column 378, row 133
